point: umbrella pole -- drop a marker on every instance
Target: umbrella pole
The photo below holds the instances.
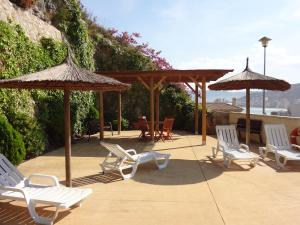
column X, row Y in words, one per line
column 67, row 137
column 247, row 116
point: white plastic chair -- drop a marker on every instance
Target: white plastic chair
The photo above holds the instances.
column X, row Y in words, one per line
column 229, row 145
column 14, row 186
column 120, row 159
column 277, row 142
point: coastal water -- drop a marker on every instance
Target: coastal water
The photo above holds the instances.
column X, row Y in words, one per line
column 258, row 110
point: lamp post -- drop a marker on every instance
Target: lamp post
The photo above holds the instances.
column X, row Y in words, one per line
column 264, row 41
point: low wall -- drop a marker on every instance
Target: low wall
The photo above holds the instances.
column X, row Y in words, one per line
column 290, row 122
column 34, row 27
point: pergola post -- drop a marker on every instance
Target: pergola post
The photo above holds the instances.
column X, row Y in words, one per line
column 119, row 112
column 196, row 107
column 247, row 116
column 157, row 109
column 152, row 108
column 67, row 118
column 101, row 116
column 204, row 111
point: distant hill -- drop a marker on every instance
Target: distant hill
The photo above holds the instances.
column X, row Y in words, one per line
column 274, row 99
column 221, row 96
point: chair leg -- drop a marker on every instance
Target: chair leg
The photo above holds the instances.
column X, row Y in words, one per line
column 280, row 164
column 253, row 162
column 227, row 161
column 40, row 219
column 263, row 152
column 164, row 163
column 129, row 175
column 214, row 152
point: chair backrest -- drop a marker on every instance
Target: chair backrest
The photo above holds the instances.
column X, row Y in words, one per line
column 117, row 151
column 168, row 124
column 9, row 175
column 143, row 123
column 227, row 136
column 276, row 135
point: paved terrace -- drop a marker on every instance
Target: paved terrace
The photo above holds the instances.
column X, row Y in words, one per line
column 193, row 189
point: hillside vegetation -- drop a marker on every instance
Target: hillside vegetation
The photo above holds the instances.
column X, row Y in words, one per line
column 34, row 119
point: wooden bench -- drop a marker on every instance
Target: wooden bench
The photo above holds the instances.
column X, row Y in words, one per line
column 255, row 127
column 93, row 127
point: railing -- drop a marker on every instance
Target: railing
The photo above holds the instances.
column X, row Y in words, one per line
column 290, row 122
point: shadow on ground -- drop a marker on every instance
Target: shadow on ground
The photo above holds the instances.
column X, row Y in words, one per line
column 11, row 214
column 178, row 172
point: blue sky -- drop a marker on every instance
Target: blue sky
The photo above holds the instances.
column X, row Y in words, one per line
column 212, row 33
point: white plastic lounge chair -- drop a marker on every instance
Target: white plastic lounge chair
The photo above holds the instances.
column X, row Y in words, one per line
column 14, row 186
column 228, row 143
column 129, row 159
column 277, row 142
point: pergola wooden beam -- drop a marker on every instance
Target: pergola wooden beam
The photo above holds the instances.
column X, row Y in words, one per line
column 204, row 111
column 191, row 88
column 196, row 108
column 144, row 83
column 157, row 93
column 101, row 116
column 195, row 80
column 157, row 85
column 119, row 112
column 152, row 109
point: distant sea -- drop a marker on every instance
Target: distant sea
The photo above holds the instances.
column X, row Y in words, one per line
column 258, row 110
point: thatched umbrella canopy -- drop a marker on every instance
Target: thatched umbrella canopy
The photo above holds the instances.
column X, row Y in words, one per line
column 67, row 77
column 250, row 80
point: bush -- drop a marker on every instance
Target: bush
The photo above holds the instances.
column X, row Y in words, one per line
column 11, row 143
column 124, row 124
column 32, row 134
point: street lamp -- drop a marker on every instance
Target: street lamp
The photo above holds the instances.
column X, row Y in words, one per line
column 264, row 41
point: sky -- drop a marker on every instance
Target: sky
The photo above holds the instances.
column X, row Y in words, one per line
column 212, row 34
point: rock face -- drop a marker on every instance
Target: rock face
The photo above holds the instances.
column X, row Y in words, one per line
column 34, row 27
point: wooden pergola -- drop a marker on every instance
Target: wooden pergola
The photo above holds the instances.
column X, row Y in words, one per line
column 153, row 80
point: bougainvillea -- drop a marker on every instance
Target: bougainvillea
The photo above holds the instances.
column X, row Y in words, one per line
column 125, row 38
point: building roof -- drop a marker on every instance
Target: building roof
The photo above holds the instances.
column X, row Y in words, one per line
column 222, row 107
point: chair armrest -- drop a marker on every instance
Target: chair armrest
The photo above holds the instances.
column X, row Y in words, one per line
column 246, row 147
column 48, row 177
column 14, row 189
column 131, row 151
column 296, row 146
column 272, row 147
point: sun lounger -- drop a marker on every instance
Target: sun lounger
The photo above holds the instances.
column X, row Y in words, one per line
column 120, row 159
column 229, row 145
column 14, row 186
column 277, row 142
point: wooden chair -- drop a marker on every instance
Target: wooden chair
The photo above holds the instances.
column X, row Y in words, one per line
column 143, row 126
column 165, row 133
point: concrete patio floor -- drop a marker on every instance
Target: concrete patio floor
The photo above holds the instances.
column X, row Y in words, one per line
column 193, row 189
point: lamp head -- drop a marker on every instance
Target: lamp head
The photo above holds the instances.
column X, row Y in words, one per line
column 264, row 41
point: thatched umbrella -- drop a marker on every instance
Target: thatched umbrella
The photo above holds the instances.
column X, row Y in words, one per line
column 250, row 80
column 66, row 77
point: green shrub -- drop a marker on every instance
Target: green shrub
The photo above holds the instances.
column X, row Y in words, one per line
column 11, row 143
column 124, row 124
column 32, row 134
